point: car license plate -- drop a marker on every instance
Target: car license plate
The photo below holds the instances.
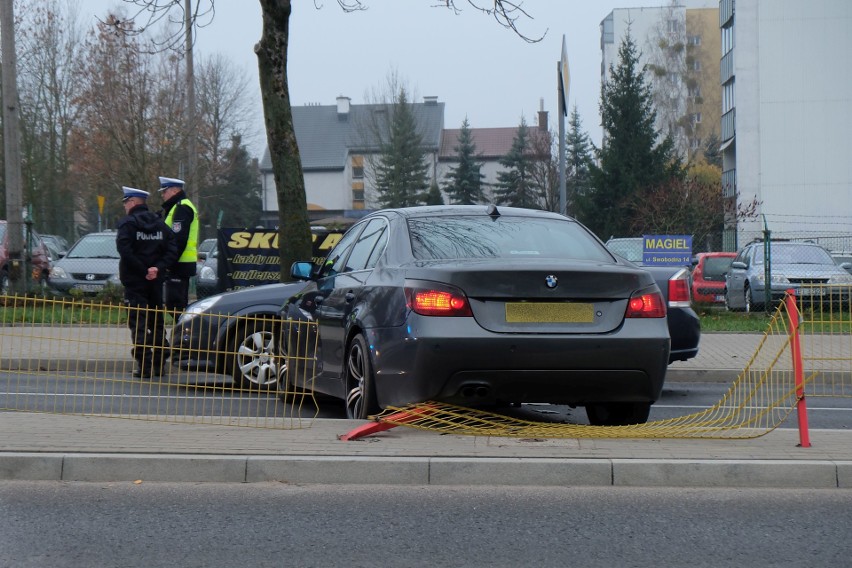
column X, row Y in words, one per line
column 89, row 287
column 810, row 292
column 549, row 312
column 719, row 297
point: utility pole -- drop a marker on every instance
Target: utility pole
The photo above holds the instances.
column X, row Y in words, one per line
column 11, row 148
column 192, row 159
column 564, row 83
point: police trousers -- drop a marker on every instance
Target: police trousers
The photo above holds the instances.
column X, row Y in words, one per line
column 145, row 320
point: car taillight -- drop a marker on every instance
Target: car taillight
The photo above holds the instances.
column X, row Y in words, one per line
column 433, row 299
column 646, row 305
column 679, row 294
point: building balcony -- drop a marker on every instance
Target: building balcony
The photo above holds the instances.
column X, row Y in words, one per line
column 726, row 67
column 728, row 125
column 726, row 12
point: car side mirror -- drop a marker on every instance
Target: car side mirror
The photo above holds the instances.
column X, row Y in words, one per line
column 739, row 265
column 202, row 256
column 301, row 270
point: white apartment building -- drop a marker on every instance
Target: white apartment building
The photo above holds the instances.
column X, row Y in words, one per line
column 786, row 76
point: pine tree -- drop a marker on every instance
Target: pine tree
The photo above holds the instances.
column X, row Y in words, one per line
column 433, row 196
column 402, row 174
column 578, row 156
column 711, row 152
column 631, row 163
column 465, row 185
column 515, row 185
column 236, row 193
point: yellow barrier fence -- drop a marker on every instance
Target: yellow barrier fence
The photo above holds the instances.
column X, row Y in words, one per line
column 764, row 394
column 77, row 357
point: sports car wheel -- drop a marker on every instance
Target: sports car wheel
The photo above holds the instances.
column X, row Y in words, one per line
column 360, row 394
column 618, row 413
column 254, row 365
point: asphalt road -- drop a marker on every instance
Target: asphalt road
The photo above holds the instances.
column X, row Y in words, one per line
column 264, row 524
column 207, row 395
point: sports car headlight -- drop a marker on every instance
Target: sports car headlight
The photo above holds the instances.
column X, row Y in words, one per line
column 199, row 308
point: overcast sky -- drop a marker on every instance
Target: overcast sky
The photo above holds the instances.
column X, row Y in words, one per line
column 477, row 68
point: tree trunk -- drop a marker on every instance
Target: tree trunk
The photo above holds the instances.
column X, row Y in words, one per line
column 294, row 228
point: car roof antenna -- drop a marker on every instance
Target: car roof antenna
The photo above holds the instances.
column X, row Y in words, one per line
column 491, row 211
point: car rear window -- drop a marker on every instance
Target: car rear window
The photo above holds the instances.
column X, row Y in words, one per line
column 716, row 266
column 438, row 238
column 628, row 249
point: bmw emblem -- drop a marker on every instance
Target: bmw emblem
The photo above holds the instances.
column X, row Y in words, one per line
column 551, row 281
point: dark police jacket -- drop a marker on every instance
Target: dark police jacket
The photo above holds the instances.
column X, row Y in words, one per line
column 144, row 240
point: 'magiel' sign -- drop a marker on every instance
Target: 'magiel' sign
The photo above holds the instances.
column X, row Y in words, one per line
column 667, row 250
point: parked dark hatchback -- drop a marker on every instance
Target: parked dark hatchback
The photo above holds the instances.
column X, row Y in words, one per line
column 36, row 252
column 482, row 305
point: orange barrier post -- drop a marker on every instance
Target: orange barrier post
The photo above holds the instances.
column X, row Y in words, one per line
column 796, row 351
column 380, row 424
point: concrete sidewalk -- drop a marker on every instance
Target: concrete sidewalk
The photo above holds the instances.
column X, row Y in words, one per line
column 100, row 449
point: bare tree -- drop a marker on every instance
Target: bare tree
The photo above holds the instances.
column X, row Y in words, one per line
column 132, row 118
column 223, row 112
column 669, row 74
column 272, row 54
column 51, row 43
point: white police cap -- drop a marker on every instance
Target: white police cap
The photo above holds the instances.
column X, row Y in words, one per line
column 133, row 192
column 166, row 183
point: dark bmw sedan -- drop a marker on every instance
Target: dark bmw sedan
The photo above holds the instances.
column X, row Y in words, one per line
column 479, row 305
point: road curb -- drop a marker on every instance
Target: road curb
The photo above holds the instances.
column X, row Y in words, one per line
column 125, row 365
column 335, row 470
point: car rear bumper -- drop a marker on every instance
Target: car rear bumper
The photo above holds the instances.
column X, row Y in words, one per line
column 685, row 330
column 422, row 361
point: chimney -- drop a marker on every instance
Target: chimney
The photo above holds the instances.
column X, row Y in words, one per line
column 431, row 100
column 343, row 107
column 542, row 115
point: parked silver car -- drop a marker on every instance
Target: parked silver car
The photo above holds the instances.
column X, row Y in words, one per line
column 89, row 265
column 807, row 268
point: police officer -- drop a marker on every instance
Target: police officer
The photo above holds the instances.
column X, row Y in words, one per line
column 182, row 216
column 147, row 248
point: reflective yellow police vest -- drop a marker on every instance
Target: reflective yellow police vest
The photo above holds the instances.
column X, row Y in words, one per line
column 190, row 253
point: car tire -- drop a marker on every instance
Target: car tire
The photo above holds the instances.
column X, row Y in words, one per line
column 253, row 363
column 618, row 413
column 728, row 303
column 4, row 282
column 750, row 305
column 360, row 399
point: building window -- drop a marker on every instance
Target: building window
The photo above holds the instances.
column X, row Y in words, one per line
column 693, row 40
column 696, row 65
column 357, row 167
column 696, row 118
column 695, row 92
